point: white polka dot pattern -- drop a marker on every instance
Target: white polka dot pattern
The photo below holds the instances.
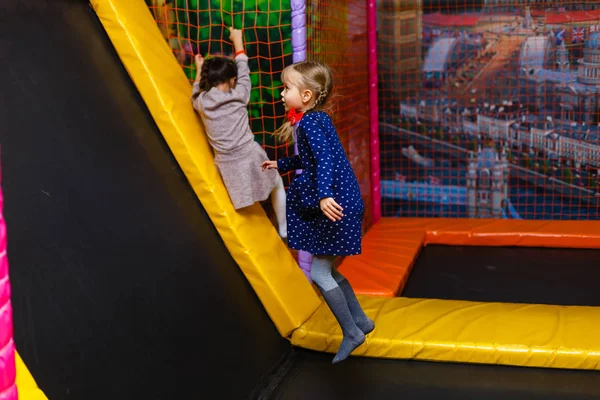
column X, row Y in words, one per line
column 326, row 173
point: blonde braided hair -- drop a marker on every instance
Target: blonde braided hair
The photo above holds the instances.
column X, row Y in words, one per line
column 314, row 76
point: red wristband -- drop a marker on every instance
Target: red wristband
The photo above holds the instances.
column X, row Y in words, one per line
column 240, row 52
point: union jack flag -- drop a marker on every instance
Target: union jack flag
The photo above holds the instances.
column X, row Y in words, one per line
column 559, row 36
column 577, row 34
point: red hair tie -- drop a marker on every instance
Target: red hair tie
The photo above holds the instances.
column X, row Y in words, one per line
column 293, row 116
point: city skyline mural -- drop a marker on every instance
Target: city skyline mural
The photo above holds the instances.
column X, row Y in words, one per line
column 490, row 112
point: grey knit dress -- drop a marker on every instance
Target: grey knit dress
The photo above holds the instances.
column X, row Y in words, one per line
column 237, row 155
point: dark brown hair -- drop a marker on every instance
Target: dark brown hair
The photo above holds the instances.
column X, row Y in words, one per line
column 216, row 70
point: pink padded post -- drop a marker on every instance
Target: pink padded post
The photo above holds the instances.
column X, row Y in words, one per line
column 8, row 388
column 373, row 110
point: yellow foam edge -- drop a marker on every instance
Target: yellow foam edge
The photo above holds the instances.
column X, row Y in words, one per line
column 26, row 385
column 467, row 332
column 248, row 234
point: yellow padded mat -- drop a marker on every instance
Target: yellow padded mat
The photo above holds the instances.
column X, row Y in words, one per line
column 469, row 332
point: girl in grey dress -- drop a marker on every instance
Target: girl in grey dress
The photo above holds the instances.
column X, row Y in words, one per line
column 221, row 94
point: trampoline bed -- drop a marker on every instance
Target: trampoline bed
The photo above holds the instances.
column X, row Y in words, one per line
column 506, row 274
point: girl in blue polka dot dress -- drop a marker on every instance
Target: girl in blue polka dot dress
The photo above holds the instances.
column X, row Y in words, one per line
column 324, row 206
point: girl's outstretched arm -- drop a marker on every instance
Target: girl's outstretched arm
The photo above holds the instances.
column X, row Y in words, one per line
column 199, row 63
column 243, row 85
column 196, row 86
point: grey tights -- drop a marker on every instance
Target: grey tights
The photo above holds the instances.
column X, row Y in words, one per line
column 323, row 274
column 340, row 298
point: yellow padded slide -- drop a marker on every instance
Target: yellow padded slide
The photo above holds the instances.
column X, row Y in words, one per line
column 468, row 332
column 249, row 236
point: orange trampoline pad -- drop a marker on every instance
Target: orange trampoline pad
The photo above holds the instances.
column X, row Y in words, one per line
column 391, row 247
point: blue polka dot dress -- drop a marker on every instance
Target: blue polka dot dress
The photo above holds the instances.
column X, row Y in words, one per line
column 326, row 173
